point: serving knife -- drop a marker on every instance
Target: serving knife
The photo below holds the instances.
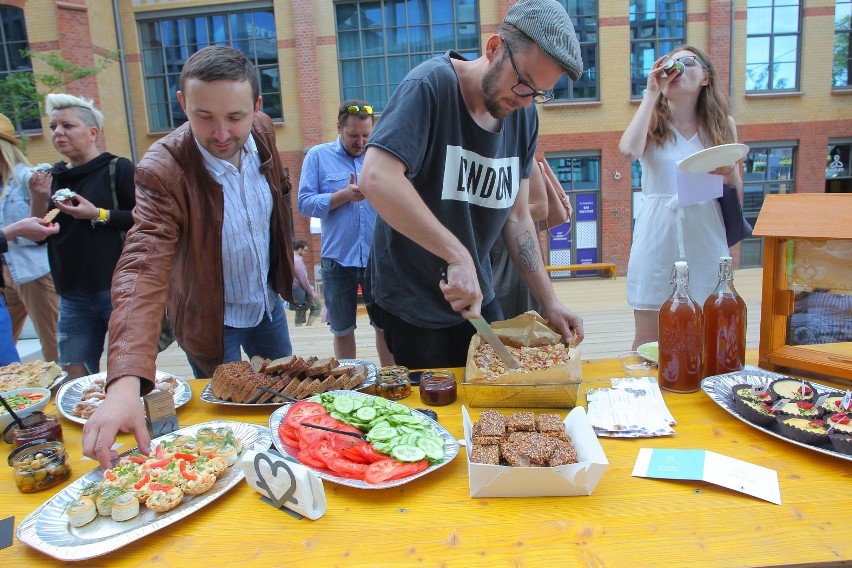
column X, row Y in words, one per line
column 490, row 336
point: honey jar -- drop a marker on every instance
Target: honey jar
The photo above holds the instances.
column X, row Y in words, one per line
column 40, row 464
column 393, row 382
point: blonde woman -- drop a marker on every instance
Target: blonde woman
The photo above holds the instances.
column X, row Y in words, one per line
column 92, row 224
column 678, row 116
column 28, row 285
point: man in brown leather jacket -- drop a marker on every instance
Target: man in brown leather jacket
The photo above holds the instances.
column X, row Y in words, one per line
column 211, row 244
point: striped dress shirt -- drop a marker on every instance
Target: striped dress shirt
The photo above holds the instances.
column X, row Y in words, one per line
column 245, row 236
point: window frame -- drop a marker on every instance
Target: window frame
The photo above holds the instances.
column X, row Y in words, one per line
column 837, row 68
column 169, row 79
column 662, row 45
column 772, row 37
column 590, row 51
column 7, row 15
column 362, row 64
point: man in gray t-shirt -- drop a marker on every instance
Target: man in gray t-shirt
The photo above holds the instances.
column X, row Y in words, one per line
column 447, row 169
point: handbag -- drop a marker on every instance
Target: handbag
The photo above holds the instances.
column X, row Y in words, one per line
column 736, row 227
column 558, row 207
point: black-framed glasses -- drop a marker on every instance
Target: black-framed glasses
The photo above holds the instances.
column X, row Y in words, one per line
column 522, row 88
column 355, row 109
column 691, row 61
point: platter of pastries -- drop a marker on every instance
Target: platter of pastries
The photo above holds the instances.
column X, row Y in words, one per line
column 103, row 511
column 801, row 412
column 78, row 399
column 239, row 383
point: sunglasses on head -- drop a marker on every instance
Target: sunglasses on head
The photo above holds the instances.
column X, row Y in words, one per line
column 355, row 109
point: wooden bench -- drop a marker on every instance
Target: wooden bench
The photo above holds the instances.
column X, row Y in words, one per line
column 609, row 266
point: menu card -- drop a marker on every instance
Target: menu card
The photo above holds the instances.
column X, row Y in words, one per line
column 632, row 408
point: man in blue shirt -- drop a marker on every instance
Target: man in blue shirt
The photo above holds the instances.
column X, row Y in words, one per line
column 328, row 189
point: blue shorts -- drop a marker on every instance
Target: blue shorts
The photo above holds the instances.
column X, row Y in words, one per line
column 340, row 288
column 82, row 328
column 270, row 338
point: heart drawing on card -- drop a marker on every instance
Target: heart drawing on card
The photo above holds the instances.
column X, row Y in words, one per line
column 279, row 489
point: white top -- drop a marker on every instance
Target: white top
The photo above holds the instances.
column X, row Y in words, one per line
column 665, row 232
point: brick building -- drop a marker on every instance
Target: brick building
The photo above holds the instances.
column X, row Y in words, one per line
column 785, row 62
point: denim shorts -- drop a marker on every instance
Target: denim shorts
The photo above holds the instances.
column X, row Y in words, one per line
column 82, row 328
column 340, row 288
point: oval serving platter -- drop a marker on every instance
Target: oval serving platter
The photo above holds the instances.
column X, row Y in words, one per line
column 720, row 389
column 451, row 449
column 46, row 529
column 369, row 366
column 69, row 394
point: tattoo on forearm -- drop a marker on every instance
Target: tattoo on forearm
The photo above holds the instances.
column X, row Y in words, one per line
column 527, row 252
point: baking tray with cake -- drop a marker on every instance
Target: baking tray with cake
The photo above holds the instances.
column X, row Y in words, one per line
column 77, row 399
column 736, row 394
column 242, row 383
column 50, row 530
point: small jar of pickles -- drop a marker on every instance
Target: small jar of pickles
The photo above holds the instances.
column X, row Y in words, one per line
column 40, row 464
column 393, row 382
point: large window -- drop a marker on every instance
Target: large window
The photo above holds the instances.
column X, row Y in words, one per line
column 766, row 170
column 838, row 171
column 167, row 42
column 584, row 16
column 656, row 28
column 840, row 71
column 773, row 29
column 13, row 41
column 380, row 41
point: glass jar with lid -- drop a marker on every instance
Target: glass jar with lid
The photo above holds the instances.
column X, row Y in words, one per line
column 40, row 464
column 393, row 382
column 438, row 388
column 37, row 426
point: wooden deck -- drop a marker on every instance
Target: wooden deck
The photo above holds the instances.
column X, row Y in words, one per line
column 601, row 301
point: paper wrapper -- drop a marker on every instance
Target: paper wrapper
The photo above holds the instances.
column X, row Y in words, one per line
column 532, row 330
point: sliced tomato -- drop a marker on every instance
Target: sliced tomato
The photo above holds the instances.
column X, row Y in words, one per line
column 301, row 410
column 288, row 435
column 186, row 457
column 381, row 471
column 160, row 487
column 371, row 454
column 323, row 451
column 347, row 468
column 341, row 441
column 352, row 453
column 410, row 468
column 305, row 457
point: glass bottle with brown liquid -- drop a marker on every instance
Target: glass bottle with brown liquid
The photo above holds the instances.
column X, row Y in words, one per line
column 681, row 337
column 724, row 325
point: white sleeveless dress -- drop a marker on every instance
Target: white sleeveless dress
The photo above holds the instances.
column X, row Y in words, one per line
column 665, row 232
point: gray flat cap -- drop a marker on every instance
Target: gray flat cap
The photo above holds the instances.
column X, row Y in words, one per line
column 547, row 23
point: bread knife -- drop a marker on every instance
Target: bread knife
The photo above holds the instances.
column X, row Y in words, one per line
column 490, row 336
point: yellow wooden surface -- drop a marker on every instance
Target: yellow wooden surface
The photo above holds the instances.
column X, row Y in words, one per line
column 627, row 521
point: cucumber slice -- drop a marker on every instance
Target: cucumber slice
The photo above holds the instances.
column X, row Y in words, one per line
column 408, row 453
column 382, row 433
column 405, row 419
column 434, row 450
column 343, row 404
column 357, row 402
column 365, row 413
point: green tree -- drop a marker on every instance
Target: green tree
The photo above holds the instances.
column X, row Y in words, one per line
column 22, row 92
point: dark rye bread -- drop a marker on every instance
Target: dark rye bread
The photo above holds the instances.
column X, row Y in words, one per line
column 321, row 367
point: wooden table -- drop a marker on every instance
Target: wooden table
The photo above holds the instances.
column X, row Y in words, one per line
column 627, row 521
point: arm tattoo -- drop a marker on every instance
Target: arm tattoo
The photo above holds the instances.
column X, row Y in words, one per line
column 527, row 252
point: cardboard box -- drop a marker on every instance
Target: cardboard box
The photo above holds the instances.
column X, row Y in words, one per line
column 562, row 481
column 554, row 387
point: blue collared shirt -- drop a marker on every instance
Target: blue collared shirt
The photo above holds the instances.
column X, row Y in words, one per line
column 245, row 236
column 347, row 231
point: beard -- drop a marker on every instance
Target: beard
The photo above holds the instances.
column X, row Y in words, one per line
column 489, row 92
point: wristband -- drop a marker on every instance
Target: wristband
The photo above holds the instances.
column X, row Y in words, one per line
column 102, row 218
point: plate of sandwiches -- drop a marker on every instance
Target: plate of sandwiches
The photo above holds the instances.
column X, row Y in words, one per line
column 241, row 383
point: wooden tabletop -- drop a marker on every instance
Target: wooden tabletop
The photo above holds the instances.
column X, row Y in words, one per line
column 627, row 521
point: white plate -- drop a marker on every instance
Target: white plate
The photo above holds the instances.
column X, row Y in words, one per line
column 46, row 529
column 709, row 159
column 451, row 449
column 369, row 366
column 69, row 394
column 720, row 389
